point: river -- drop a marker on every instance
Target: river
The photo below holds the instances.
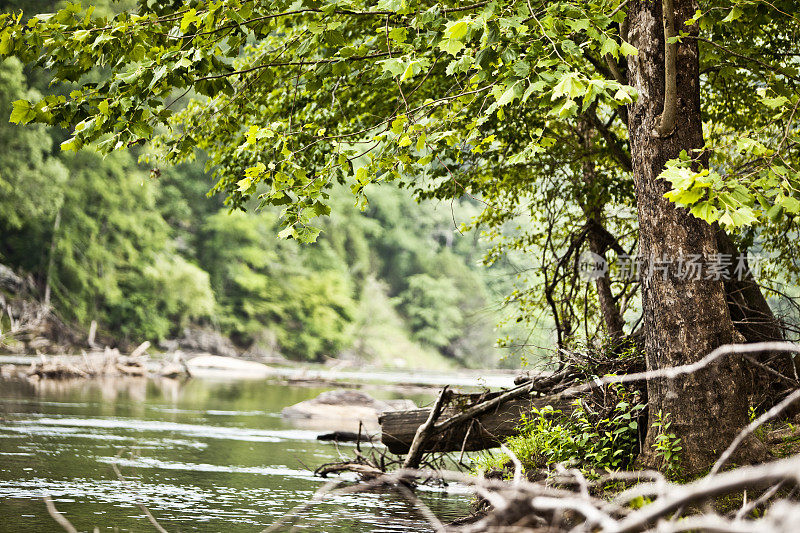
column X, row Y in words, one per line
column 202, row 455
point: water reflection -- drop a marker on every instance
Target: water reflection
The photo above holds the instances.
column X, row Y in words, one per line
column 208, row 456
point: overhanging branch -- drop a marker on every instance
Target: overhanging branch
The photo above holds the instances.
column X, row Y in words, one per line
column 666, row 124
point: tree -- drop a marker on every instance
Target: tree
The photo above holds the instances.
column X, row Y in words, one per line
column 452, row 99
column 678, row 329
column 30, row 179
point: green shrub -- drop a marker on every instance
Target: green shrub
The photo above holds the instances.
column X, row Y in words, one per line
column 584, row 439
column 667, row 446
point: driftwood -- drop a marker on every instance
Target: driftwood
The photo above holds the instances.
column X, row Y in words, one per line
column 106, row 363
column 366, row 472
column 470, row 422
column 478, row 422
column 567, row 502
column 425, row 431
column 344, row 436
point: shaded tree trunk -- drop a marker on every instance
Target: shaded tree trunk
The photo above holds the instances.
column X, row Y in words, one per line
column 750, row 312
column 609, row 310
column 592, row 203
column 684, row 319
column 754, row 319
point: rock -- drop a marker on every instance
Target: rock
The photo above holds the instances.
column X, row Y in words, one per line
column 343, row 409
column 9, row 280
column 169, row 345
column 172, row 370
column 264, row 348
column 230, row 365
column 208, row 340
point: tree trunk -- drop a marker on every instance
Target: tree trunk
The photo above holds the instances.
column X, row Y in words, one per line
column 592, row 202
column 684, row 319
column 750, row 312
column 609, row 311
column 51, row 258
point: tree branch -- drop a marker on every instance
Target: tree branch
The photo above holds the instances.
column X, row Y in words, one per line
column 666, row 124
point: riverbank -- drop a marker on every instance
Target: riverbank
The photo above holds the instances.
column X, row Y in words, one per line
column 213, row 367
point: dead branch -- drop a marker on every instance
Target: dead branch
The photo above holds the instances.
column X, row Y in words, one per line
column 507, row 407
column 140, row 505
column 57, row 516
column 566, row 501
column 425, row 431
column 366, row 472
column 527, row 506
column 754, row 425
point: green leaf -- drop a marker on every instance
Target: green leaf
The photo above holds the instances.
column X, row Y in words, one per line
column 334, row 38
column 451, row 46
column 131, row 75
column 628, row 49
column 790, row 204
column 409, row 71
column 71, row 144
column 287, row 232
column 390, row 5
column 460, row 65
column 457, row 30
column 22, row 113
column 6, row 45
column 394, row 66
column 321, row 209
column 244, row 184
column 421, row 142
column 610, row 47
column 735, row 14
column 188, row 19
column 772, row 103
column 398, row 34
column 684, row 197
column 256, row 170
column 568, row 109
column 508, row 95
column 744, row 216
column 398, row 124
column 774, row 212
column 624, row 95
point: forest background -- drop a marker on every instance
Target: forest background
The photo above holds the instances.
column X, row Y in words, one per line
column 149, row 256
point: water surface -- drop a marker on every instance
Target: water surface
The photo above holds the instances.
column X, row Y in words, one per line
column 201, row 456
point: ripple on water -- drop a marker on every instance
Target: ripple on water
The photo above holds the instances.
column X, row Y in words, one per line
column 204, row 468
column 151, row 462
column 195, row 430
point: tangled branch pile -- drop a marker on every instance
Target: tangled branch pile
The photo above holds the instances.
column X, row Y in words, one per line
column 557, row 494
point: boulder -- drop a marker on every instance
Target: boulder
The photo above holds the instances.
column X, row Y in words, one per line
column 206, row 340
column 343, row 409
column 211, row 364
column 9, row 280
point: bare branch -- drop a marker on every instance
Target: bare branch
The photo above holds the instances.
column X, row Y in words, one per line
column 57, row 516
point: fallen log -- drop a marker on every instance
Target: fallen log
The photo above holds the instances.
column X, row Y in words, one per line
column 366, row 472
column 469, row 422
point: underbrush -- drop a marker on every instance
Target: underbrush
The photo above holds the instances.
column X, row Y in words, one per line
column 588, row 439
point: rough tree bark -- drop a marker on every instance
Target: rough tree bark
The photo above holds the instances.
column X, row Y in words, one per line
column 684, row 319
